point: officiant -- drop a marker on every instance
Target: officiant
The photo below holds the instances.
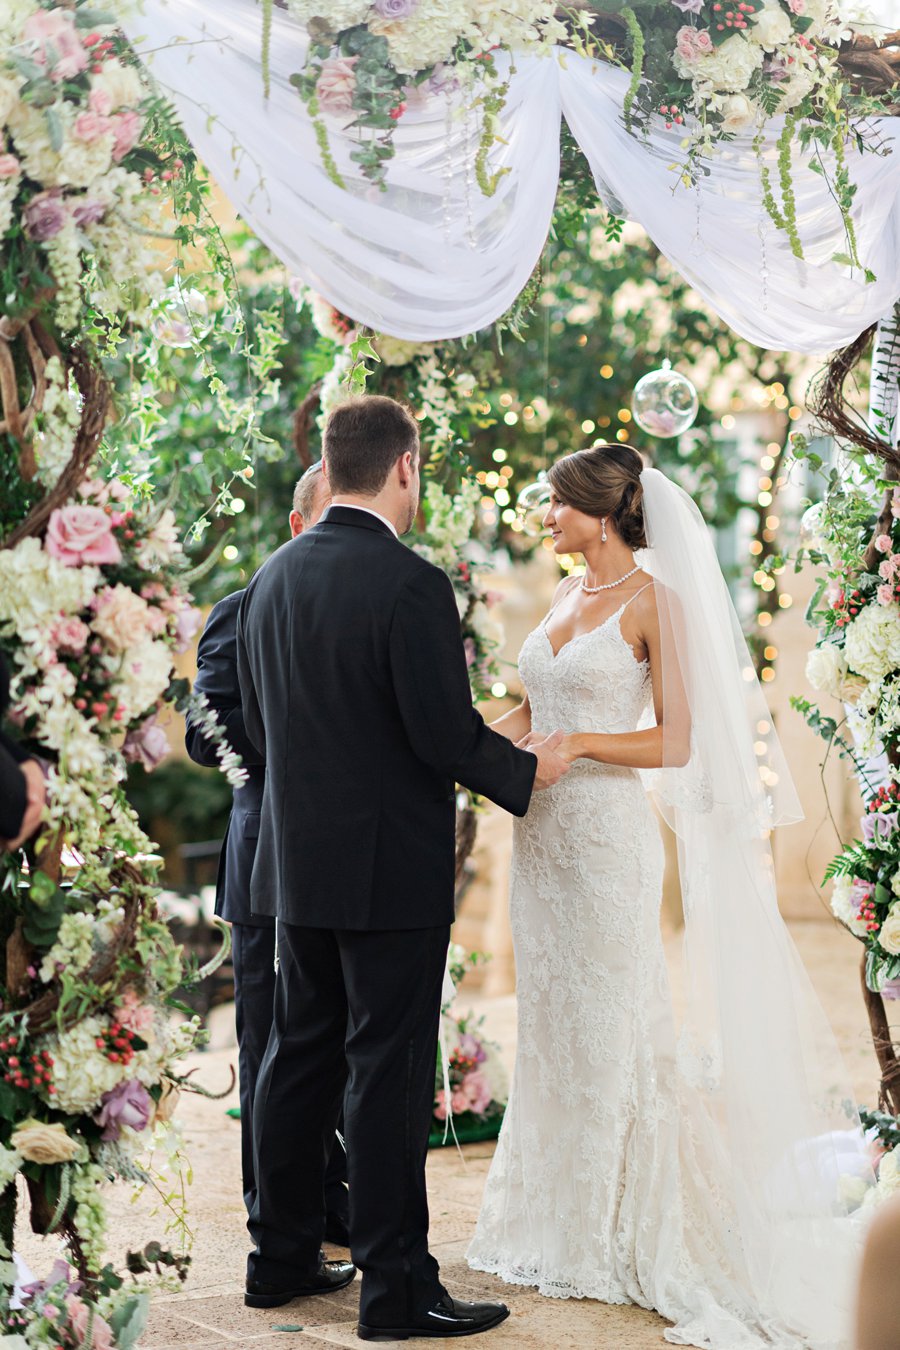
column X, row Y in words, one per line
column 253, row 935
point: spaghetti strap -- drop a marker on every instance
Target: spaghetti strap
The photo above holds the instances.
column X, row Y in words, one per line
column 634, row 597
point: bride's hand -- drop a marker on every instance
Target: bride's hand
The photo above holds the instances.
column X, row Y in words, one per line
column 568, row 748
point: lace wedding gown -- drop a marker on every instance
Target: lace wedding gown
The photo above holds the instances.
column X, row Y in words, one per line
column 603, row 1184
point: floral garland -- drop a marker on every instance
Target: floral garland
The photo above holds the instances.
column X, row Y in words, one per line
column 368, row 61
column 479, row 1086
column 856, row 659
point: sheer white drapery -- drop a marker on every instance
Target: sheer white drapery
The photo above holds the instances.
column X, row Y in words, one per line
column 431, row 257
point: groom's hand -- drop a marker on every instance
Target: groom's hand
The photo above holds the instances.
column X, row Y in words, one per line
column 550, row 764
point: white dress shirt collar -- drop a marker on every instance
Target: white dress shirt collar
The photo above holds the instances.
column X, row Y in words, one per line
column 352, row 506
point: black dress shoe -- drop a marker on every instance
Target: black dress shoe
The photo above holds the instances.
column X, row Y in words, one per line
column 336, row 1230
column 449, row 1317
column 330, row 1276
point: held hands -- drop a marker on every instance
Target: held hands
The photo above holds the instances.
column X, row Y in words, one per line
column 35, row 798
column 552, row 763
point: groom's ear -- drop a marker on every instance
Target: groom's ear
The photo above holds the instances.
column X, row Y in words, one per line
column 405, row 468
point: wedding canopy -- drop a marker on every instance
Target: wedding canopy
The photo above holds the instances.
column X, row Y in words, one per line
column 432, row 257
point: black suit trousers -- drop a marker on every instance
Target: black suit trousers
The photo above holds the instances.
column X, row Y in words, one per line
column 253, row 958
column 356, row 1018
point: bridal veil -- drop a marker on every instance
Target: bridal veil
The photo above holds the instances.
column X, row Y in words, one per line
column 767, row 1111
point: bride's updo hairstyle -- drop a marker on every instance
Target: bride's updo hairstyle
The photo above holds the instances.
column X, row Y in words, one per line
column 604, row 481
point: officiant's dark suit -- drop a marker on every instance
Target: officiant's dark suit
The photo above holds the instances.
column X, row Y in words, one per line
column 354, row 683
column 252, row 935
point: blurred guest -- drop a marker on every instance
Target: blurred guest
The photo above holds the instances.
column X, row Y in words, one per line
column 878, row 1305
column 253, row 935
column 22, row 790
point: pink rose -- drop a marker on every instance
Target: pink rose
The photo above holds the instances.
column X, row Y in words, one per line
column 883, row 543
column 336, row 85
column 476, row 1091
column 55, row 43
column 886, row 569
column 186, row 625
column 69, row 635
column 692, row 43
column 148, row 745
column 440, row 1104
column 126, row 128
column 132, row 1013
column 9, row 166
column 90, row 126
column 122, row 618
column 80, row 1318
column 797, row 6
column 885, row 595
column 100, row 101
column 81, row 534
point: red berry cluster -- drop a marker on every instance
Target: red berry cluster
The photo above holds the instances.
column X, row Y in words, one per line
column 867, row 913
column 672, row 113
column 26, row 1071
column 463, row 1064
column 855, row 601
column 116, row 1043
column 101, row 48
column 464, row 572
column 733, row 18
column 885, row 796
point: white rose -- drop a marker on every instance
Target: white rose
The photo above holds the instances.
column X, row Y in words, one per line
column 122, row 83
column 826, row 669
column 771, row 26
column 889, row 936
column 737, row 112
column 889, row 1172
column 853, row 689
column 852, row 1191
column 872, row 642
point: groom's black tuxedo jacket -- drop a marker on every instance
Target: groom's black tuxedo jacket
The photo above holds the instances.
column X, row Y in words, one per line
column 354, row 687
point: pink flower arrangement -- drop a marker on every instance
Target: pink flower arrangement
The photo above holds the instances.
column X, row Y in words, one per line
column 133, row 1013
column 692, row 43
column 79, row 535
column 55, row 43
column 147, row 745
column 126, row 127
column 68, row 634
column 883, row 543
column 91, row 126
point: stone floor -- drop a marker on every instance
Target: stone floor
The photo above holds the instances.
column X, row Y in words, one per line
column 208, row 1311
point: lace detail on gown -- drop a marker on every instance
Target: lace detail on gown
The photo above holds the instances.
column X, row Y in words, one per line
column 602, row 1186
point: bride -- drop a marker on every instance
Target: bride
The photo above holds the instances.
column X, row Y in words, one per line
column 698, row 1172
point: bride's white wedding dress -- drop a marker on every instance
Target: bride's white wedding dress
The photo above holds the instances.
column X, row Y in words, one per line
column 608, row 1181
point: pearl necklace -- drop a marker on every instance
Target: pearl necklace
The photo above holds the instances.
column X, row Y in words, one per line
column 594, row 590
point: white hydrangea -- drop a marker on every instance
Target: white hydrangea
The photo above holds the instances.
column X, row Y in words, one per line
column 81, row 1072
column 144, row 675
column 872, row 642
column 826, row 669
column 336, row 13
column 35, row 588
column 728, row 69
column 398, row 352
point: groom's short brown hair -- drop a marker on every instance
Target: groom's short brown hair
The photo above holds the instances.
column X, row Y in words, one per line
column 363, row 440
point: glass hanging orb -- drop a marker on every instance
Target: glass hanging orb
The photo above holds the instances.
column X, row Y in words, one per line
column 810, row 533
column 664, row 402
column 531, row 505
column 182, row 318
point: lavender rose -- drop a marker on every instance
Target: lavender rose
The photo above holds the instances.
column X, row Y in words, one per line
column 395, row 9
column 45, row 215
column 147, row 745
column 878, row 826
column 127, row 1104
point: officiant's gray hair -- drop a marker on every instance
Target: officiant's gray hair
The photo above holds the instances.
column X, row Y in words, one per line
column 363, row 440
column 304, row 502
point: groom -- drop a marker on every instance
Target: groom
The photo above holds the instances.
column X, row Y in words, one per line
column 354, row 686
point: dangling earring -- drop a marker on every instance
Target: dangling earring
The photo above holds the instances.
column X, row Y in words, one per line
column 603, row 530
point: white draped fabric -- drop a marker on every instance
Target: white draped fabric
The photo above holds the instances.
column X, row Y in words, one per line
column 432, row 257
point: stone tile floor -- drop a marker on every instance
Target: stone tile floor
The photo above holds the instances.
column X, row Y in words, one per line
column 208, row 1312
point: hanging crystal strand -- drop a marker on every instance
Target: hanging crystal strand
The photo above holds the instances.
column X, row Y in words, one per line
column 761, row 223
column 696, row 241
column 469, row 153
column 447, row 214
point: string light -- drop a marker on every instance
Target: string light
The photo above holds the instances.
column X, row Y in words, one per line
column 588, row 426
column 772, row 522
column 501, row 497
column 770, row 653
column 509, row 516
column 624, row 414
column 765, row 484
column 607, row 372
column 229, row 552
column 767, row 462
column 767, row 674
column 755, row 547
column 511, row 418
column 622, row 435
column 785, row 601
column 763, row 728
column 505, row 400
column 765, row 499
column 764, row 619
column 728, row 421
column 498, row 689
column 499, row 455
